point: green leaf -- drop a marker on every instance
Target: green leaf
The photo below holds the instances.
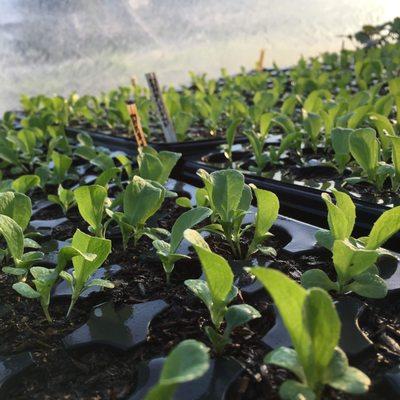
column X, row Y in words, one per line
column 186, row 221
column 341, row 216
column 183, row 202
column 227, row 191
column 317, row 278
column 286, row 358
column 368, row 285
column 25, row 290
column 188, row 361
column 218, row 274
column 289, row 297
column 25, row 183
column 239, row 314
column 196, row 239
column 231, row 132
column 105, row 177
column 100, row 282
column 350, row 261
column 352, row 381
column 384, row 227
column 141, row 200
column 84, row 268
column 13, row 236
column 62, row 164
column 292, row 390
column 323, row 326
column 16, row 206
column 200, row 289
column 340, row 138
column 90, row 201
column 267, row 213
column 364, row 147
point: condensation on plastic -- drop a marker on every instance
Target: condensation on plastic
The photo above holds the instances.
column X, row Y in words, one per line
column 57, row 46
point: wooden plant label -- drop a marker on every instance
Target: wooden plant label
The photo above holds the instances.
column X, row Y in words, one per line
column 166, row 123
column 137, row 126
column 260, row 62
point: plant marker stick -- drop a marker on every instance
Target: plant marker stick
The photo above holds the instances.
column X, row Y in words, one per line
column 137, row 126
column 260, row 62
column 166, row 123
column 134, row 81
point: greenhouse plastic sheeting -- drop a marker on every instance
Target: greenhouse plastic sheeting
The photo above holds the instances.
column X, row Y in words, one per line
column 57, row 46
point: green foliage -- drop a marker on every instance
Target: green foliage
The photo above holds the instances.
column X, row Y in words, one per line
column 354, row 259
column 64, row 198
column 45, row 278
column 217, row 292
column 188, row 361
column 91, row 205
column 167, row 252
column 86, row 266
column 314, row 327
column 156, row 166
column 141, row 200
column 230, row 199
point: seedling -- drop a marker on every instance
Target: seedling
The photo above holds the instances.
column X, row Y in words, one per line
column 15, row 213
column 156, row 166
column 85, row 267
column 230, row 199
column 64, row 198
column 167, row 251
column 141, row 200
column 354, row 259
column 188, row 361
column 314, row 327
column 91, row 202
column 45, row 278
column 217, row 292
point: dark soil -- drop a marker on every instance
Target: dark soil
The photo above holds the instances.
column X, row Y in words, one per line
column 101, row 372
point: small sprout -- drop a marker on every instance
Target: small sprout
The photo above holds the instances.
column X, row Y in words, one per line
column 167, row 251
column 354, row 259
column 64, row 198
column 230, row 199
column 141, row 200
column 188, row 361
column 217, row 292
column 85, row 267
column 91, row 205
column 45, row 278
column 314, row 327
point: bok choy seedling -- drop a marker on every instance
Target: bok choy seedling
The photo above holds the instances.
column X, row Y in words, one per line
column 217, row 292
column 354, row 259
column 167, row 251
column 45, row 278
column 188, row 361
column 141, row 200
column 230, row 199
column 85, row 267
column 314, row 327
column 15, row 214
column 64, row 198
column 156, row 166
column 91, row 202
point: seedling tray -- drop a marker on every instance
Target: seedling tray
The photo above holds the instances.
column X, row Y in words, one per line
column 128, row 144
column 114, row 343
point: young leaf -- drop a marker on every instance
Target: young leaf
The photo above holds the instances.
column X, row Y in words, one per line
column 187, row 361
column 90, row 201
column 384, row 227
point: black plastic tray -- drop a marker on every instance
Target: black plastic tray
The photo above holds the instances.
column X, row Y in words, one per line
column 128, row 144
